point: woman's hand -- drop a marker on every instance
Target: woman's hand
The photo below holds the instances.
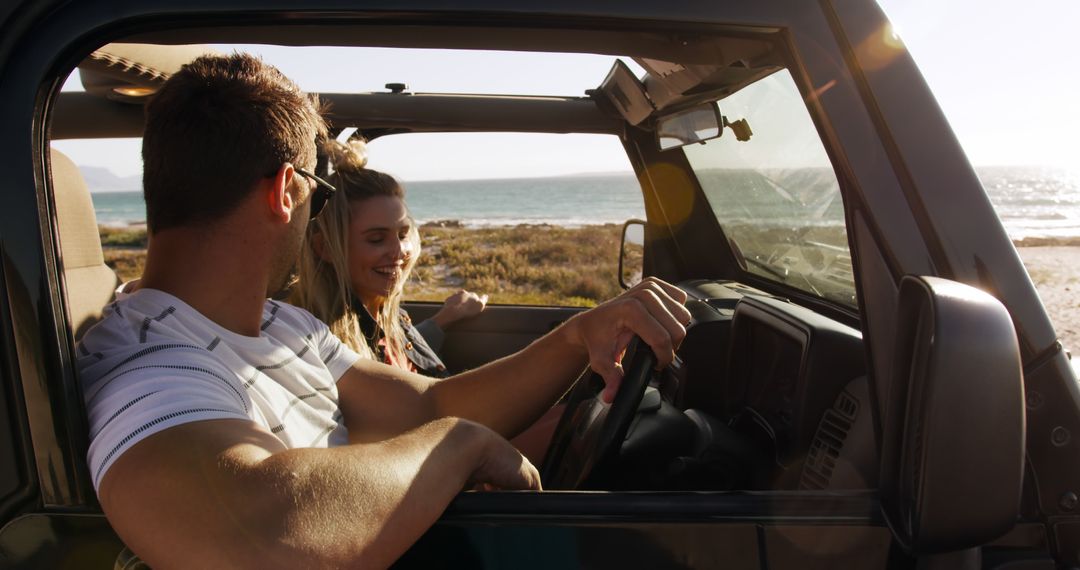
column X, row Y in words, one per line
column 460, row 305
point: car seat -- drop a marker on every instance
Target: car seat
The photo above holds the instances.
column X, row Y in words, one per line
column 90, row 283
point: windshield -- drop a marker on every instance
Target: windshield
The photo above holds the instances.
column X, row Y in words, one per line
column 776, row 195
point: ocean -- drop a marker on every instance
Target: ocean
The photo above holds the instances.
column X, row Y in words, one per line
column 1031, row 201
column 1034, row 201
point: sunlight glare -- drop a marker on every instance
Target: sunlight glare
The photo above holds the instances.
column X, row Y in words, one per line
column 891, row 37
column 880, row 48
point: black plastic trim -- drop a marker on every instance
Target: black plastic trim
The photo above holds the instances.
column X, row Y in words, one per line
column 769, row 508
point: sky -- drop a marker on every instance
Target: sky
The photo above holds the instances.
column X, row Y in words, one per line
column 997, row 69
column 1002, row 72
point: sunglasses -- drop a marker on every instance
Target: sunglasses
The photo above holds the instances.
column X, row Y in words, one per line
column 323, row 191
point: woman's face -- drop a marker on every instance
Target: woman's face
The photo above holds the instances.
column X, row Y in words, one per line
column 378, row 247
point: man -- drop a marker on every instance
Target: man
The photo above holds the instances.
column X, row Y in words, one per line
column 231, row 431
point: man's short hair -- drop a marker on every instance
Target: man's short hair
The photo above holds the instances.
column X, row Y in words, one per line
column 214, row 129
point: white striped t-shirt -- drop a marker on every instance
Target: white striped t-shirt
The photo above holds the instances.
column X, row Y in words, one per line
column 153, row 362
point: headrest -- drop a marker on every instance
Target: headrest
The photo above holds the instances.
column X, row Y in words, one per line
column 80, row 244
column 88, row 281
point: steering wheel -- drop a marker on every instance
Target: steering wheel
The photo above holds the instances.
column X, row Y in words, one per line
column 590, row 431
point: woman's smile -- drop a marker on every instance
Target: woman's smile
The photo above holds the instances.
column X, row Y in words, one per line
column 381, row 240
column 389, row 272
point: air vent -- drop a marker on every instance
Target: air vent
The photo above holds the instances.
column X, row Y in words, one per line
column 825, row 448
column 847, row 405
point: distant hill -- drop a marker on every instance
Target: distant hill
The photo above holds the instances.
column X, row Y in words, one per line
column 100, row 179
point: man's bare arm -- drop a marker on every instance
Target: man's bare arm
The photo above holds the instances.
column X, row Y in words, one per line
column 508, row 395
column 226, row 493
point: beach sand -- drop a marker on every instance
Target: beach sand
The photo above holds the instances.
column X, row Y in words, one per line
column 1055, row 270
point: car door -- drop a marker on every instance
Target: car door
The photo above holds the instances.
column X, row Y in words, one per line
column 704, row 529
column 899, row 220
column 499, row 331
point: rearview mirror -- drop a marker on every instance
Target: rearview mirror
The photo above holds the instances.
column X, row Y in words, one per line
column 632, row 253
column 693, row 125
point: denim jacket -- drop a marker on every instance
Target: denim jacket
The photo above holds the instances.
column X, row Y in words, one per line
column 417, row 347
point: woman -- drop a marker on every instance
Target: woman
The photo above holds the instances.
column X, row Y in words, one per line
column 360, row 252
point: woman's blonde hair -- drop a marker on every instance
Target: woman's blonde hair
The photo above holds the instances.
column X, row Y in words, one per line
column 324, row 287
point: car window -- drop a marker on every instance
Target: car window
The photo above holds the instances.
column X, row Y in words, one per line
column 776, row 195
column 546, row 233
column 112, row 172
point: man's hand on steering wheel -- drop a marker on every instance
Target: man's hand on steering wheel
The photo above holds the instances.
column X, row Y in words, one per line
column 652, row 310
column 595, row 422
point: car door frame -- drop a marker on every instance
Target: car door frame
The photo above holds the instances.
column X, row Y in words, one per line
column 901, row 196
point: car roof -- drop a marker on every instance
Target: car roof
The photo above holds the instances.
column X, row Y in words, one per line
column 681, row 70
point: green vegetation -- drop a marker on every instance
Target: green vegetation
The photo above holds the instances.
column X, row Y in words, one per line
column 532, row 265
column 549, row 265
column 125, row 250
column 538, row 265
column 122, row 237
column 127, row 262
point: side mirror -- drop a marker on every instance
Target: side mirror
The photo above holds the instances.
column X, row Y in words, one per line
column 953, row 430
column 632, row 253
column 696, row 124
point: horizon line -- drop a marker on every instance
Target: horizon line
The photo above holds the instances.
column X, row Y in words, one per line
column 628, row 173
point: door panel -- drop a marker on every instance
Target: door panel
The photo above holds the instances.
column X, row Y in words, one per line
column 586, row 545
column 732, row 530
column 809, row 547
column 499, row 331
column 56, row 540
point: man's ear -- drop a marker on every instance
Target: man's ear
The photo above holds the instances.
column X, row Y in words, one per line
column 279, row 194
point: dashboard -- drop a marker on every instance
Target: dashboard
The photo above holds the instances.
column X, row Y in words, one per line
column 774, row 389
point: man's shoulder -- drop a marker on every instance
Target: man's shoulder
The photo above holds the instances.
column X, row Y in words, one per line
column 150, row 325
column 130, row 320
column 145, row 326
column 280, row 315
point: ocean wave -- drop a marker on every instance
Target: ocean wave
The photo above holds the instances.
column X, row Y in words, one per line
column 1042, row 228
column 1036, row 218
column 1030, row 201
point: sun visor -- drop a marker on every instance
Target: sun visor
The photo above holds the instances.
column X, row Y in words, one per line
column 667, row 81
column 732, row 65
column 626, row 93
column 133, row 72
column 671, row 84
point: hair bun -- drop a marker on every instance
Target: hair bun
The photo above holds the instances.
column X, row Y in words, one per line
column 347, row 156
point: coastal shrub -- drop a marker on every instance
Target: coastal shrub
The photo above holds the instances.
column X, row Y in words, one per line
column 531, row 264
column 590, row 286
column 527, row 264
column 127, row 263
column 422, row 274
column 551, row 252
column 122, row 237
